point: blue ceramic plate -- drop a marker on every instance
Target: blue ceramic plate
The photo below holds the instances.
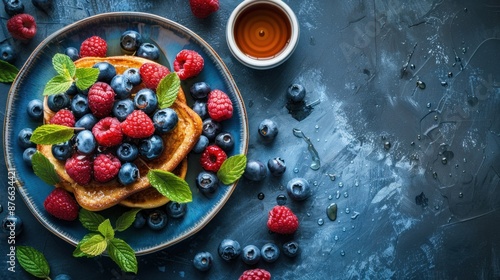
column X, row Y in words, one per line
column 171, row 38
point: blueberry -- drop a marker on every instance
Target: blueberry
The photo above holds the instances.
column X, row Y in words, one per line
column 270, row 252
column 200, row 90
column 229, row 249
column 276, row 166
column 106, row 71
column 87, row 121
column 201, row 145
column 130, row 41
column 128, row 174
column 296, row 92
column 157, row 219
column 12, row 224
column 80, row 105
column 268, row 130
column 291, row 249
column 200, row 108
column 250, row 254
column 176, row 210
column 24, row 136
column 165, row 120
column 27, row 154
column 133, row 75
column 85, row 142
column 139, row 221
column 225, row 141
column 62, row 151
column 72, row 53
column 211, row 128
column 255, row 170
column 146, row 100
column 208, row 183
column 73, row 89
column 127, row 152
column 62, row 276
column 123, row 108
column 298, row 189
column 13, row 7
column 152, row 147
column 121, row 86
column 44, row 5
column 149, row 51
column 203, row 261
column 35, row 109
column 7, row 53
column 59, row 101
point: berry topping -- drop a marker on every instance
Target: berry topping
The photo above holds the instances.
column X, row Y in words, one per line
column 149, row 51
column 151, row 148
column 212, row 158
column 146, row 100
column 60, row 204
column 203, row 261
column 130, row 41
column 157, row 219
column 13, row 7
column 63, row 117
column 270, row 252
column 94, row 46
column 85, row 142
column 255, row 170
column 282, row 220
column 250, row 255
column 128, row 173
column 268, row 130
column 108, row 132
column 208, row 183
column 219, row 105
column 101, row 98
column 138, row 125
column 203, row 8
column 188, row 64
column 276, row 166
column 22, row 27
column 298, row 189
column 296, row 92
column 255, row 274
column 229, row 249
column 79, row 168
column 106, row 167
column 152, row 73
column 56, row 102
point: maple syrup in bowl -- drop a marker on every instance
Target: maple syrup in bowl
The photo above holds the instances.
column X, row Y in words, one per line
column 262, row 34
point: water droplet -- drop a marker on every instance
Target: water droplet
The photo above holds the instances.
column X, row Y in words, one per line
column 308, row 214
column 315, row 183
column 450, row 74
column 434, row 175
column 330, row 197
column 412, row 143
column 465, row 160
column 296, row 170
column 336, row 237
column 346, row 194
column 320, row 221
column 316, row 127
column 420, row 84
column 460, row 194
column 472, row 100
column 332, row 176
column 436, row 207
column 387, row 145
column 359, row 251
column 456, row 165
column 341, row 184
column 412, row 66
column 347, row 210
column 429, row 105
column 337, row 195
column 342, row 253
column 356, row 183
column 436, row 117
column 281, row 199
column 343, row 229
column 354, row 215
column 419, row 137
column 1, row 208
column 331, row 211
column 464, row 50
column 444, row 160
column 444, row 83
column 261, row 196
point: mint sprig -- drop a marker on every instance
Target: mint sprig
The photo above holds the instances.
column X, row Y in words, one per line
column 167, row 90
column 232, row 169
column 33, row 261
column 69, row 74
column 49, row 134
column 170, row 185
column 8, row 72
column 44, row 169
column 102, row 238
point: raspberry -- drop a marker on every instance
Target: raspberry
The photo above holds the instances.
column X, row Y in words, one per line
column 63, row 117
column 282, row 220
column 212, row 158
column 188, row 64
column 106, row 167
column 219, row 105
column 60, row 204
column 108, row 132
column 138, row 125
column 152, row 73
column 22, row 27
column 94, row 46
column 255, row 274
column 203, row 8
column 101, row 97
column 79, row 168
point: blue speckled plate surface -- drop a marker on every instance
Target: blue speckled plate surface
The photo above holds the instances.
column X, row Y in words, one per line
column 171, row 38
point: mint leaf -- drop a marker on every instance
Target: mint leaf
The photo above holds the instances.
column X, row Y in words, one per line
column 169, row 185
column 86, row 77
column 90, row 220
column 8, row 72
column 58, row 84
column 44, row 169
column 106, row 230
column 77, row 252
column 33, row 261
column 94, row 245
column 167, row 90
column 63, row 65
column 232, row 169
column 126, row 219
column 123, row 255
column 51, row 134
